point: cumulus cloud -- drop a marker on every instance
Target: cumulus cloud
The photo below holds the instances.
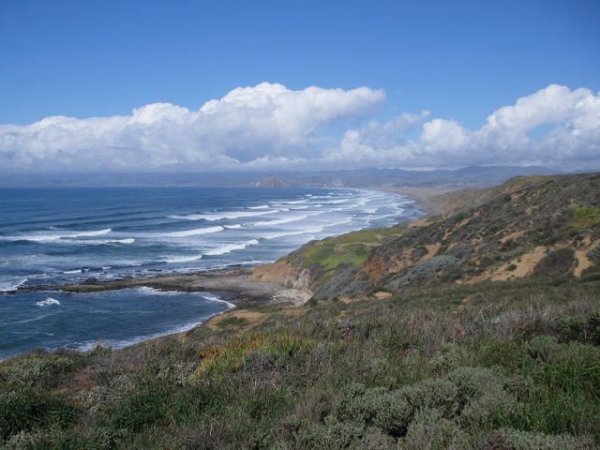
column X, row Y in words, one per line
column 554, row 126
column 247, row 124
column 270, row 126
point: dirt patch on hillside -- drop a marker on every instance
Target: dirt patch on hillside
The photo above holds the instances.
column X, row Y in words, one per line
column 581, row 256
column 278, row 273
column 512, row 236
column 519, row 267
column 420, row 223
column 432, row 250
column 295, row 296
column 528, row 262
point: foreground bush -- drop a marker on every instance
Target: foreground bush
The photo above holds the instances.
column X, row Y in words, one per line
column 512, row 365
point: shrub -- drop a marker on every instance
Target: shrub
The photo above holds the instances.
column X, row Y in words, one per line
column 142, row 406
column 556, row 263
column 332, row 434
column 585, row 217
column 23, row 409
column 522, row 440
column 429, row 430
column 468, row 397
column 37, row 369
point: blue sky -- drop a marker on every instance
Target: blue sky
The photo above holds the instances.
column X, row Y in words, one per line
column 459, row 60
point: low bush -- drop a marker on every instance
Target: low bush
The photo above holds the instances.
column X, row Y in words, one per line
column 23, row 409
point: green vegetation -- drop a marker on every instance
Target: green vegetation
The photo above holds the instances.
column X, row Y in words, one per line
column 426, row 369
column 585, row 217
column 432, row 364
column 348, row 250
column 232, row 322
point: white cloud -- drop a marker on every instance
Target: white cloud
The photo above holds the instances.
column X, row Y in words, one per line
column 270, row 126
column 554, row 126
column 264, row 121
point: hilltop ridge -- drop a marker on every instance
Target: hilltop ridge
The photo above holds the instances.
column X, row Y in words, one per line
column 528, row 227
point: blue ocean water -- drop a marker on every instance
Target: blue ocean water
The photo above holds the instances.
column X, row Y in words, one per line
column 51, row 237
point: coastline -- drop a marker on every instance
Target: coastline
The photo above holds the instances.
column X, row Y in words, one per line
column 237, row 286
column 234, row 285
column 427, row 197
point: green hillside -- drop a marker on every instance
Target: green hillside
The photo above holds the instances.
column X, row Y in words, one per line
column 528, row 227
column 416, row 337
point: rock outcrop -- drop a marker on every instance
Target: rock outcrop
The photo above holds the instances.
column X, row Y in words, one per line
column 272, row 182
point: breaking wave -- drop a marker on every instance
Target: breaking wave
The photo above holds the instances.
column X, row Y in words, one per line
column 231, row 248
column 48, row 302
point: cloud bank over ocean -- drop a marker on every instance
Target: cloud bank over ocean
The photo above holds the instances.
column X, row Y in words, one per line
column 269, row 126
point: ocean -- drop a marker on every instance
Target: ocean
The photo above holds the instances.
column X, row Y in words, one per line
column 50, row 237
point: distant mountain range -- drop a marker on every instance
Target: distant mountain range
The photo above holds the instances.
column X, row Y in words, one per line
column 468, row 176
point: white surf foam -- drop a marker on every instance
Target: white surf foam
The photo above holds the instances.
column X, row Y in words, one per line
column 230, row 248
column 276, row 235
column 259, row 207
column 214, row 298
column 341, row 222
column 90, row 233
column 48, row 302
column 147, row 290
column 56, row 236
column 284, row 234
column 296, row 202
column 224, row 215
column 181, row 259
column 126, row 241
column 280, row 221
column 11, row 285
column 195, row 232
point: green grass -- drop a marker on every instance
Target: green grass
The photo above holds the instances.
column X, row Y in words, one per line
column 512, row 365
column 232, row 322
column 349, row 250
column 586, row 216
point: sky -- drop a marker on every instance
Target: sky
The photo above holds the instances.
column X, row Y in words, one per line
column 238, row 85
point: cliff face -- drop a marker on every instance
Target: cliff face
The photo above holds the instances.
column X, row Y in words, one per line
column 283, row 274
column 527, row 227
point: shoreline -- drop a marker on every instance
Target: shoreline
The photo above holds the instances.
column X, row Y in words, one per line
column 235, row 285
column 424, row 196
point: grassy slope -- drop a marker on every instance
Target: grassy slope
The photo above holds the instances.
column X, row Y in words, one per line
column 511, row 364
column 530, row 226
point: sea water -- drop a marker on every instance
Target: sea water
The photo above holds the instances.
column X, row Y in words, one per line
column 50, row 237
